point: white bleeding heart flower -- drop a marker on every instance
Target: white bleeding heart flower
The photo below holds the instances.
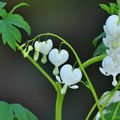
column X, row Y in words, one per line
column 69, row 77
column 114, row 54
column 26, row 53
column 44, row 48
column 112, row 26
column 37, row 46
column 58, row 58
column 110, row 67
column 115, row 98
column 111, row 42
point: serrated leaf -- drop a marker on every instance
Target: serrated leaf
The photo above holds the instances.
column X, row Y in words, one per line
column 17, row 6
column 98, row 39
column 2, row 4
column 101, row 49
column 18, row 21
column 15, row 112
column 9, row 28
column 9, row 25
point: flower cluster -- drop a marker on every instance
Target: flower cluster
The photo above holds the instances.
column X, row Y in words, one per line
column 67, row 75
column 111, row 63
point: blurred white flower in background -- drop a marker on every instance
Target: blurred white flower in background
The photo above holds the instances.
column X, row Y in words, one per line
column 115, row 98
column 112, row 26
column 69, row 76
column 110, row 67
column 111, row 63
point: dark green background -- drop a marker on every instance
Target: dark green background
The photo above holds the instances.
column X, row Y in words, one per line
column 78, row 21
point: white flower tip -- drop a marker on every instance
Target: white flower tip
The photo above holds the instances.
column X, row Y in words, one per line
column 102, row 71
column 114, row 83
column 64, row 89
column 74, row 87
column 58, row 79
column 44, row 59
column 56, row 71
column 30, row 48
column 36, row 55
column 25, row 55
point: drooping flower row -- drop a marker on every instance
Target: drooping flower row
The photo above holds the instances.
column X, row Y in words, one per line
column 68, row 76
column 111, row 63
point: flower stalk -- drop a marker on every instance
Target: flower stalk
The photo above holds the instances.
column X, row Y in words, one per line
column 59, row 104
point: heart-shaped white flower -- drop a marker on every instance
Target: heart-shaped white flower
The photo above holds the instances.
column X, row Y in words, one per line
column 58, row 58
column 111, row 42
column 37, row 46
column 112, row 26
column 110, row 67
column 69, row 77
column 44, row 48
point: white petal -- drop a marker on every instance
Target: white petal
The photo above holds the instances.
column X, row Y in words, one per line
column 58, row 79
column 46, row 47
column 112, row 25
column 103, row 72
column 74, row 87
column 44, row 59
column 64, row 89
column 57, row 57
column 69, row 75
column 37, row 46
column 56, row 71
column 114, row 83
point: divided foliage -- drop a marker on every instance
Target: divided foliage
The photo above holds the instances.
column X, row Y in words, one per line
column 9, row 24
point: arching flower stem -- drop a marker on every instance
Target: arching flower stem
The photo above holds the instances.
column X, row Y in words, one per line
column 39, row 68
column 81, row 67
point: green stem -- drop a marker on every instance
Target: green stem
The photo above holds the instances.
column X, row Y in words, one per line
column 83, row 70
column 59, row 103
column 93, row 60
column 39, row 68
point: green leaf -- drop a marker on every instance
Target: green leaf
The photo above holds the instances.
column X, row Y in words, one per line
column 112, row 8
column 18, row 21
column 3, row 12
column 106, row 8
column 98, row 39
column 15, row 112
column 5, row 111
column 101, row 49
column 17, row 6
column 2, row 4
column 9, row 27
column 112, row 112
